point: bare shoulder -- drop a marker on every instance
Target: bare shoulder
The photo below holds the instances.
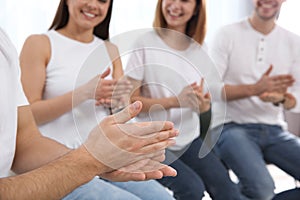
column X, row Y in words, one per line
column 36, row 45
column 37, row 40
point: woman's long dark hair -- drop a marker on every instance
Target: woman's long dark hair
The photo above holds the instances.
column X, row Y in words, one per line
column 62, row 17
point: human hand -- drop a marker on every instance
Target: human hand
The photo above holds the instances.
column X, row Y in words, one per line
column 272, row 97
column 116, row 143
column 140, row 171
column 277, row 83
column 200, row 103
column 99, row 88
column 192, row 97
column 186, row 93
column 287, row 100
column 121, row 95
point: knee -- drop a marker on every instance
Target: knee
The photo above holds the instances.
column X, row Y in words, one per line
column 262, row 190
column 194, row 189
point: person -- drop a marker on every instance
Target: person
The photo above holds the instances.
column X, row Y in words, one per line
column 169, row 89
column 47, row 169
column 259, row 63
column 54, row 63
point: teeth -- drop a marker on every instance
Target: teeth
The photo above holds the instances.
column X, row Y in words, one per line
column 174, row 14
column 89, row 14
column 267, row 4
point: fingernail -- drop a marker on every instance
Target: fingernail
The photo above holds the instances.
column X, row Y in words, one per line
column 135, row 105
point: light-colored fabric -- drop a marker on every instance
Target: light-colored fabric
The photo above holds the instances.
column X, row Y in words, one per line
column 72, row 64
column 164, row 72
column 242, row 55
column 11, row 96
column 293, row 121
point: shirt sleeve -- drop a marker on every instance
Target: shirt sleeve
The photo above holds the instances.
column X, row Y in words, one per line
column 219, row 51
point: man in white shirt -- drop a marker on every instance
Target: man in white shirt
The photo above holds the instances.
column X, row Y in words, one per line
column 259, row 63
column 48, row 170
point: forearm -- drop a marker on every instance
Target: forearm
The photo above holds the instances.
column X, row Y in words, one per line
column 54, row 180
column 50, row 109
column 235, row 92
column 166, row 103
column 37, row 151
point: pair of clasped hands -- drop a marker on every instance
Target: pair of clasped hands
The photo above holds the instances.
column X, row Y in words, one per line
column 192, row 97
column 128, row 151
column 273, row 89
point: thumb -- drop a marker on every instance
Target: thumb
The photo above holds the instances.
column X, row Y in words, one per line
column 105, row 73
column 267, row 73
column 128, row 113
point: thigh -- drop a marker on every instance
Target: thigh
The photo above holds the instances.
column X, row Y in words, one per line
column 242, row 153
column 212, row 171
column 187, row 184
column 146, row 190
column 99, row 189
column 284, row 151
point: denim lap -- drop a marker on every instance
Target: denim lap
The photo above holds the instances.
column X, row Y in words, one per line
column 99, row 189
column 244, row 149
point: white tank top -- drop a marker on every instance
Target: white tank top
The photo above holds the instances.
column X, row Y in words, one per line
column 68, row 68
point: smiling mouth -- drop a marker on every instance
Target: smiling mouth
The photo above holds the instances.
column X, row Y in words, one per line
column 174, row 14
column 267, row 5
column 90, row 15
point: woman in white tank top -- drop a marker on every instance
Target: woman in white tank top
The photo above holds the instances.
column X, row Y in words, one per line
column 66, row 77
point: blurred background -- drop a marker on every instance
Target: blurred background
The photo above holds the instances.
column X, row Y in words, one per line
column 22, row 18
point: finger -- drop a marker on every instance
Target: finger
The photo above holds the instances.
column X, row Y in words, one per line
column 153, row 147
column 207, row 96
column 105, row 73
column 161, row 136
column 202, row 83
column 267, row 73
column 136, row 166
column 128, row 113
column 159, row 158
column 168, row 171
column 124, row 176
column 146, row 128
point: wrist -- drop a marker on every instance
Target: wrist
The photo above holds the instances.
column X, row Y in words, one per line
column 173, row 102
column 80, row 95
column 90, row 163
column 254, row 90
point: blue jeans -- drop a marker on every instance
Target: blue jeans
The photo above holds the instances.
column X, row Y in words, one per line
column 194, row 173
column 101, row 189
column 245, row 148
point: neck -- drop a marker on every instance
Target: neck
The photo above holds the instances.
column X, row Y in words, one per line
column 261, row 25
column 80, row 35
column 174, row 39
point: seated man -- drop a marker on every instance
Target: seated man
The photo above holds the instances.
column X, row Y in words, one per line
column 48, row 169
column 259, row 63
